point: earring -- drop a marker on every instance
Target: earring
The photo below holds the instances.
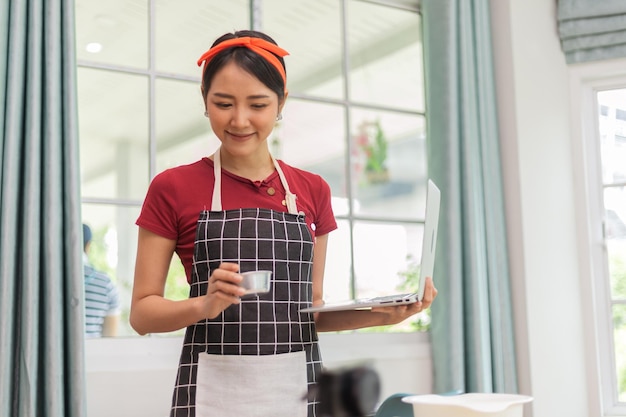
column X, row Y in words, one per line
column 279, row 117
column 206, row 115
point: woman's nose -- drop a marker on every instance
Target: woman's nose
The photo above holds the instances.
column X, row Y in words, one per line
column 239, row 118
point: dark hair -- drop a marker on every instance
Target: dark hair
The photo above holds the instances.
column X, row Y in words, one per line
column 86, row 235
column 248, row 60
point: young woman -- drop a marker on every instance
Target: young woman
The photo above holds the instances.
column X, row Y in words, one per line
column 241, row 210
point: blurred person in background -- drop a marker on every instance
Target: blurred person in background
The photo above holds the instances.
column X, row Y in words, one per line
column 102, row 301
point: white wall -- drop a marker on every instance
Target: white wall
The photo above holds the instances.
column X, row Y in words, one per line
column 134, row 377
column 543, row 186
column 533, row 98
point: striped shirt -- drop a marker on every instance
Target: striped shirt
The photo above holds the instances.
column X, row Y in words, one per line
column 101, row 300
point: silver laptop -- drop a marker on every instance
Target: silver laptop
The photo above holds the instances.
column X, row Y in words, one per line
column 427, row 264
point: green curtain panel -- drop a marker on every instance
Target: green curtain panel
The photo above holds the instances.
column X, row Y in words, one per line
column 472, row 326
column 41, row 288
column 592, row 30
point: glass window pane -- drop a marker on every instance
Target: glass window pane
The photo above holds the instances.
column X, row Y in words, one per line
column 113, row 32
column 301, row 140
column 616, row 253
column 389, row 268
column 386, row 70
column 185, row 31
column 612, row 124
column 385, row 56
column 113, row 249
column 619, row 335
column 314, row 66
column 615, row 212
column 389, row 168
column 183, row 134
column 382, row 269
column 113, row 128
column 615, row 232
column 338, row 264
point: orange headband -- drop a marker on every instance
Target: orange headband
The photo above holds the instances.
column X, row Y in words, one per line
column 260, row 46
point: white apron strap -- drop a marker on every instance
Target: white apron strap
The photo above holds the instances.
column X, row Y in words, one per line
column 290, row 198
column 216, row 202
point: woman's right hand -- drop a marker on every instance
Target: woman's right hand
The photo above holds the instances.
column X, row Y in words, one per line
column 223, row 290
column 151, row 312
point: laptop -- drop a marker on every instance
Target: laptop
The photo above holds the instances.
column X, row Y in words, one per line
column 427, row 264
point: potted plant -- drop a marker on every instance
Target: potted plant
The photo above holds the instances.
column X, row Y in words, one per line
column 372, row 143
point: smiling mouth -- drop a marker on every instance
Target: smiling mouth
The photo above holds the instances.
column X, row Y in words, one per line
column 240, row 135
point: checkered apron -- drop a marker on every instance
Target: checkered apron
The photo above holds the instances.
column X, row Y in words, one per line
column 264, row 332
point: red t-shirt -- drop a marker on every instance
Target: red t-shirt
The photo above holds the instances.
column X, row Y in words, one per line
column 176, row 197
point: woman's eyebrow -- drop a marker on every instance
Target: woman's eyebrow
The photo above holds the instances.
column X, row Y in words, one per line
column 258, row 96
column 251, row 97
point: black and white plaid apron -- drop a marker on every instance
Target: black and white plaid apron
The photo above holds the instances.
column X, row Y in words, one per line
column 264, row 324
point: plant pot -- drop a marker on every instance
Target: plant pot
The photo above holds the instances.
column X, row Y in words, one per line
column 377, row 177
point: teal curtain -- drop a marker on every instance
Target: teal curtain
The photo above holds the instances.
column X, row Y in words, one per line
column 592, row 30
column 472, row 319
column 41, row 293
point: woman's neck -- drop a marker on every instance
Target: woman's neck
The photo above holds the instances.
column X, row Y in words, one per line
column 253, row 167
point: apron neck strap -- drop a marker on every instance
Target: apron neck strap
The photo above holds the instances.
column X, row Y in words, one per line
column 216, row 202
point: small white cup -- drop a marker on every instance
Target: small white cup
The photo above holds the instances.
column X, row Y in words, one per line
column 256, row 282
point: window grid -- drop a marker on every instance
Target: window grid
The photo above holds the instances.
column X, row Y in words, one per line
column 256, row 22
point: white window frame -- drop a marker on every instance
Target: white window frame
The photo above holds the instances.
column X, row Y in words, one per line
column 348, row 105
column 586, row 80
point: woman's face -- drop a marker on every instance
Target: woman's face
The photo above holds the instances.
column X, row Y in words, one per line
column 242, row 110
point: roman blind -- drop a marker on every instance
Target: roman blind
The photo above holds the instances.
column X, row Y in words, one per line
column 592, row 30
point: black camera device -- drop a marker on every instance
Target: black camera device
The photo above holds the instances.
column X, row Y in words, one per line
column 351, row 392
